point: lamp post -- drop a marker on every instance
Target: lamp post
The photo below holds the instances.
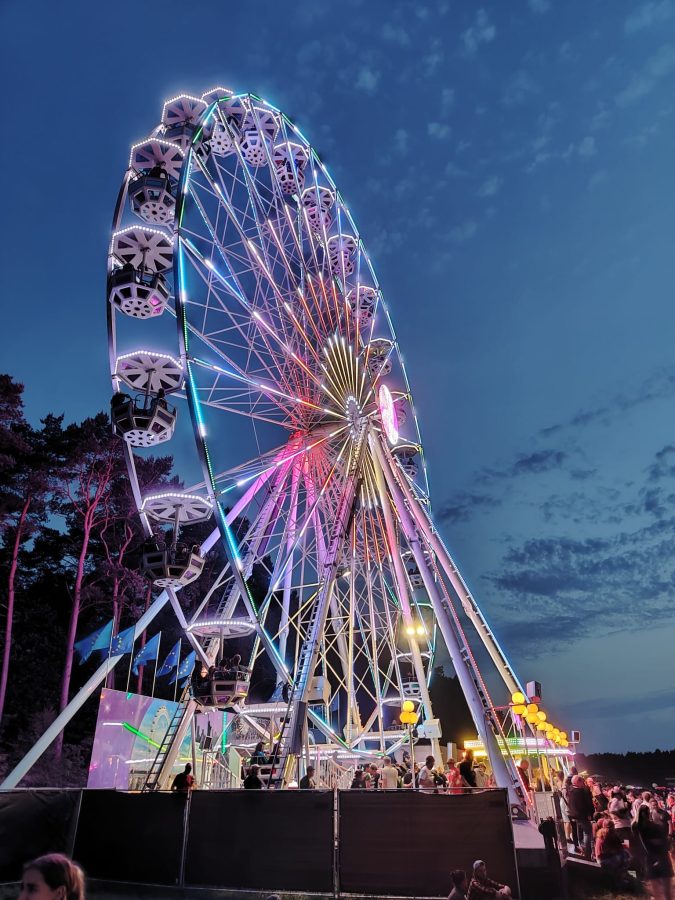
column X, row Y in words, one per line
column 410, row 718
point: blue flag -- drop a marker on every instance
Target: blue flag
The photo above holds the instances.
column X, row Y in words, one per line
column 185, row 668
column 97, row 640
column 171, row 661
column 145, row 654
column 123, row 642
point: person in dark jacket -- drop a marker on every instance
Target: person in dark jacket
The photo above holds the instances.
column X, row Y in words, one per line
column 252, row 781
column 581, row 812
column 466, row 769
column 657, row 866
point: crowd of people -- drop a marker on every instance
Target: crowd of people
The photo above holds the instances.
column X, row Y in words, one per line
column 621, row 829
column 451, row 778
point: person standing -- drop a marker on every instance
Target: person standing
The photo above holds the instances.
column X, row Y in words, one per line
column 389, row 776
column 308, row 782
column 454, row 778
column 523, row 767
column 252, row 781
column 658, row 868
column 466, row 769
column 184, row 781
column 427, row 780
column 581, row 812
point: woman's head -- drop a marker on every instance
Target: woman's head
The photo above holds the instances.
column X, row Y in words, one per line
column 52, row 877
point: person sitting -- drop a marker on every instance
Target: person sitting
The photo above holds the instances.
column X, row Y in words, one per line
column 252, row 781
column 483, row 887
column 459, row 885
column 611, row 853
column 258, row 755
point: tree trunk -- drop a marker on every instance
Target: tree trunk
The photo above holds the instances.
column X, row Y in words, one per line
column 4, row 675
column 141, row 669
column 110, row 680
column 72, row 629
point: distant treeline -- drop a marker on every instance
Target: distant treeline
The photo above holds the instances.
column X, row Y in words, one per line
column 642, row 769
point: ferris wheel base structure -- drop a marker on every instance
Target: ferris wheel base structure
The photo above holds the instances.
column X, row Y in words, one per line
column 244, row 311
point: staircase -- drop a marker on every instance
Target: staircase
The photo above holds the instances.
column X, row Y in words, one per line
column 168, row 750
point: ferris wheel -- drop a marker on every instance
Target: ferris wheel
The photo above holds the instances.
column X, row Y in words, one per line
column 291, row 375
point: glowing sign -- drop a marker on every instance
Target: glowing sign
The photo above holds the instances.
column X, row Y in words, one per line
column 388, row 413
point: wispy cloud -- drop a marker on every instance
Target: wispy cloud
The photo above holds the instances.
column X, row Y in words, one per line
column 519, row 89
column 483, row 31
column 395, row 34
column 401, row 141
column 587, row 148
column 660, row 384
column 462, row 505
column 438, row 130
column 464, row 232
column 658, row 66
column 367, row 79
column 490, row 186
column 654, row 12
column 447, row 100
column 539, row 6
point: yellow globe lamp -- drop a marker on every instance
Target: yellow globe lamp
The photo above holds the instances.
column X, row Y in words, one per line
column 532, row 708
column 541, row 715
column 408, row 706
column 410, row 630
column 564, row 742
column 518, row 698
column 405, row 717
column 531, row 719
column 563, row 735
column 420, row 630
column 541, row 726
column 414, row 718
column 519, row 710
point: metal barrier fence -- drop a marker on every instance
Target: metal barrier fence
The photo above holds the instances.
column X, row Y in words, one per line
column 392, row 843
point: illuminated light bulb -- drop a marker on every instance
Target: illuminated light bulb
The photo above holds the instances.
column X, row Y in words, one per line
column 420, row 630
column 410, row 630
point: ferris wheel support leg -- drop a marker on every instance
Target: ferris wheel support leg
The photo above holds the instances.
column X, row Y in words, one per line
column 288, row 575
column 60, row 722
column 504, row 777
column 404, row 597
column 469, row 605
column 342, row 644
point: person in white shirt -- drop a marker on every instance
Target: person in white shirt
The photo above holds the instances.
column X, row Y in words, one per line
column 427, row 780
column 389, row 776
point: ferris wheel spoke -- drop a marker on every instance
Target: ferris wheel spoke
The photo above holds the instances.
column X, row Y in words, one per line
column 280, row 362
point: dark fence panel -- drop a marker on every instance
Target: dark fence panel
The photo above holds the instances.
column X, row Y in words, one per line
column 405, row 843
column 33, row 823
column 261, row 840
column 131, row 837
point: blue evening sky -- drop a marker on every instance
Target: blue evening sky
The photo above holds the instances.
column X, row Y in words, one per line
column 510, row 167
